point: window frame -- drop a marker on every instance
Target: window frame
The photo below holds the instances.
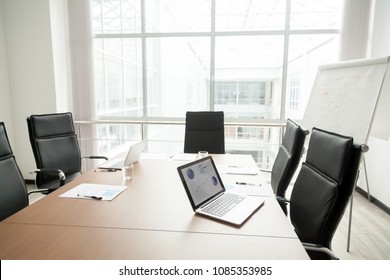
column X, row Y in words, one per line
column 143, row 35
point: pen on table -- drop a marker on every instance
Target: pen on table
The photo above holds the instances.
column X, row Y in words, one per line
column 247, row 184
column 105, row 170
column 91, row 196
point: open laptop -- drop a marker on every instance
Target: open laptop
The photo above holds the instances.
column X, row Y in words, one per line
column 132, row 156
column 207, row 193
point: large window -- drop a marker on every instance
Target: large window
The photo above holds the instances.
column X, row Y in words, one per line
column 255, row 60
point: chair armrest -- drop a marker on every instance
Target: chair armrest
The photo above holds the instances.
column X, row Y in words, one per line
column 316, row 248
column 61, row 176
column 43, row 191
column 95, row 157
column 283, row 203
column 265, row 170
column 282, row 199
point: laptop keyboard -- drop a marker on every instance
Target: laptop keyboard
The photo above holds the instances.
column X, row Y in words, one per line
column 223, row 204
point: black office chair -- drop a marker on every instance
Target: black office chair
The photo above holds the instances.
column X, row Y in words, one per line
column 322, row 190
column 13, row 191
column 287, row 160
column 54, row 144
column 204, row 131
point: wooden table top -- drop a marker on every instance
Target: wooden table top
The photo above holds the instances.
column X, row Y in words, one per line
column 152, row 215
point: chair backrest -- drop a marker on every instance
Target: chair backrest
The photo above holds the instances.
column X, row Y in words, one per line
column 324, row 186
column 288, row 157
column 54, row 144
column 204, row 131
column 13, row 192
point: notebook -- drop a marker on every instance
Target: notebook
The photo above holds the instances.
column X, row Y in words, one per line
column 128, row 158
column 208, row 195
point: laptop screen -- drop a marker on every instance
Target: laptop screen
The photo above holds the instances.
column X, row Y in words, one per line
column 134, row 153
column 201, row 180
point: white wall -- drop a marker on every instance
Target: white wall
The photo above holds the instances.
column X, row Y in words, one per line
column 380, row 39
column 5, row 96
column 61, row 52
column 27, row 40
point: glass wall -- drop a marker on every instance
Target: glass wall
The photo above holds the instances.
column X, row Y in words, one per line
column 255, row 60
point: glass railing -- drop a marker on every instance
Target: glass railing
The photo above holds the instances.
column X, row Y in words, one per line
column 110, row 137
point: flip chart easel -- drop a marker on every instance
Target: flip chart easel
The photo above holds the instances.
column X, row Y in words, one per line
column 344, row 99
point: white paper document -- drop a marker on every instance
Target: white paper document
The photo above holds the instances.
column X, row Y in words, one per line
column 183, row 157
column 94, row 191
column 249, row 189
column 237, row 169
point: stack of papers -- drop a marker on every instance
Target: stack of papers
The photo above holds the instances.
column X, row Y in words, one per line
column 94, row 191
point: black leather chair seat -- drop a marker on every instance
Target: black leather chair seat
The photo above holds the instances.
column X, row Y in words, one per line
column 322, row 190
column 55, row 146
column 13, row 191
column 287, row 160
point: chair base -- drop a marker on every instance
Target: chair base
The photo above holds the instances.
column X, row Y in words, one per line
column 317, row 252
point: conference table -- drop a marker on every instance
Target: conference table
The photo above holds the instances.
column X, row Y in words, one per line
column 151, row 219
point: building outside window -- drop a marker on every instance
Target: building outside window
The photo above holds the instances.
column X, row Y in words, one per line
column 253, row 59
column 295, row 90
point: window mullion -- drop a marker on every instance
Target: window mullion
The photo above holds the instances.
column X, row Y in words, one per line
column 144, row 61
column 285, row 61
column 144, row 71
column 212, row 57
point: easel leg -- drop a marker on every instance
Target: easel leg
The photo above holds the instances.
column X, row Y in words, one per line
column 350, row 213
column 365, row 175
column 349, row 224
